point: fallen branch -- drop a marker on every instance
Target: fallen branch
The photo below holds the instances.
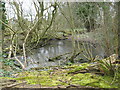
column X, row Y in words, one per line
column 71, row 59
column 58, row 57
column 70, row 85
column 74, row 86
column 15, row 84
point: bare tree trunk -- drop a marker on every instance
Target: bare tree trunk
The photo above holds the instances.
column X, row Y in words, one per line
column 118, row 30
column 1, row 32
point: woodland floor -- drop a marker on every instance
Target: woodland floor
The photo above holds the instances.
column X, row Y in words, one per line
column 75, row 76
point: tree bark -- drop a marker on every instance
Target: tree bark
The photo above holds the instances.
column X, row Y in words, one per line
column 119, row 30
column 1, row 32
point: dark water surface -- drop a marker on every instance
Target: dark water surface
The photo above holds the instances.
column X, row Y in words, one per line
column 41, row 56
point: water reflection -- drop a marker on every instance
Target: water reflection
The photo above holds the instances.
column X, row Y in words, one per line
column 56, row 48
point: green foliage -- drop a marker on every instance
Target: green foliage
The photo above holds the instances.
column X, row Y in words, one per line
column 5, row 73
column 86, row 9
column 8, row 67
column 8, row 62
column 107, row 67
column 87, row 13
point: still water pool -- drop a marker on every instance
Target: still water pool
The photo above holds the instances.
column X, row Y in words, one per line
column 41, row 56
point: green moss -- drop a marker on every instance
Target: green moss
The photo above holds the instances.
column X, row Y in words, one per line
column 6, row 78
column 61, row 77
column 75, row 68
column 92, row 80
column 84, row 79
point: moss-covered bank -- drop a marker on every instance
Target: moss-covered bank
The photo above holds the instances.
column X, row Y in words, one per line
column 64, row 76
